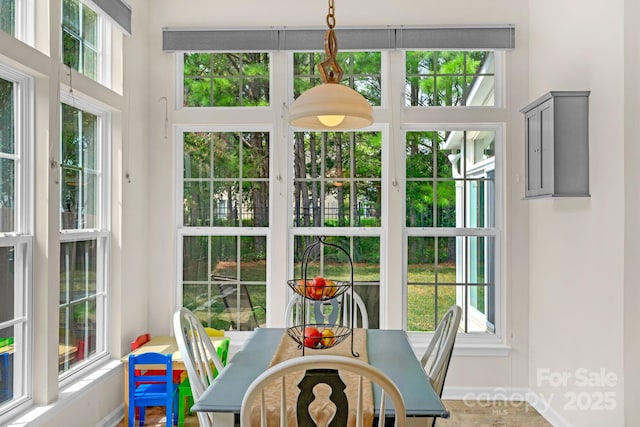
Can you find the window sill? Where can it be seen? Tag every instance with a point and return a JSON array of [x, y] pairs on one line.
[[471, 345]]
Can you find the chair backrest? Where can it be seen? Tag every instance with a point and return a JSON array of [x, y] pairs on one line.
[[156, 389], [140, 341], [438, 354], [198, 352], [340, 305], [323, 362], [164, 376]]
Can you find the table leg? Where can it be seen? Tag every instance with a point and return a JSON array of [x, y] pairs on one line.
[[126, 394]]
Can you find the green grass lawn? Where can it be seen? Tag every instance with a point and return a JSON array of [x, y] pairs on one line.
[[421, 295]]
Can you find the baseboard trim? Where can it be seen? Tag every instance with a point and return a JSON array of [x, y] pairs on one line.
[[507, 394], [113, 419], [544, 408]]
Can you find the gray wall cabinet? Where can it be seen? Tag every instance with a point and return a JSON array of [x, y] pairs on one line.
[[556, 136]]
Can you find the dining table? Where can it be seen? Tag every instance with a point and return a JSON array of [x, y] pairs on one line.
[[387, 349], [159, 344]]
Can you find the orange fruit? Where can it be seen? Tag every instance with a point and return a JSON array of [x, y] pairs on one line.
[[300, 288], [328, 339], [330, 288]]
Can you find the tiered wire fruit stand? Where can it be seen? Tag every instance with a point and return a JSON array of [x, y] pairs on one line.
[[314, 292]]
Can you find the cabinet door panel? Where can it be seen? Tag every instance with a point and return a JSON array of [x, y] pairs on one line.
[[546, 148], [532, 152]]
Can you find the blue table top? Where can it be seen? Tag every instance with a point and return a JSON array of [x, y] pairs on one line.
[[387, 349]]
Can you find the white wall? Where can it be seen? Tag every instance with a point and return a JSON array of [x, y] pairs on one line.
[[576, 246], [632, 207], [130, 192]]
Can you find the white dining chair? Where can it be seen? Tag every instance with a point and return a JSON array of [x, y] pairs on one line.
[[197, 352], [438, 354], [341, 304], [389, 390]]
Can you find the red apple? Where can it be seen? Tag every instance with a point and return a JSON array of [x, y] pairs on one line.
[[312, 337], [319, 281], [317, 288]]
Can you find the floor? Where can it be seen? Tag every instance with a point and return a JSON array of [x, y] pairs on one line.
[[492, 414], [464, 414]]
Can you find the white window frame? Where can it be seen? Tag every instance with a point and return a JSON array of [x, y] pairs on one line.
[[179, 89], [470, 343], [392, 119], [379, 232], [22, 238], [102, 234], [499, 79], [475, 317], [104, 54], [24, 21], [185, 231]]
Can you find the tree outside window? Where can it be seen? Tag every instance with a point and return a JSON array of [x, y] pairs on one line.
[[225, 187], [450, 234], [81, 38], [8, 16], [84, 240], [449, 78]]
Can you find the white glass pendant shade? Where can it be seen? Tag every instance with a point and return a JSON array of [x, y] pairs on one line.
[[331, 106]]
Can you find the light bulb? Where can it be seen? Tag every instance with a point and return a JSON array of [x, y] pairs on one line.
[[331, 120]]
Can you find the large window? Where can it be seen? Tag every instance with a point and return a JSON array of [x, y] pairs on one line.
[[16, 246], [225, 187], [450, 194], [415, 204], [337, 185], [84, 39], [84, 238], [449, 78], [226, 80], [450, 205]]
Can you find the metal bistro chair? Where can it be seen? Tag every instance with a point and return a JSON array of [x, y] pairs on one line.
[[198, 354], [321, 370]]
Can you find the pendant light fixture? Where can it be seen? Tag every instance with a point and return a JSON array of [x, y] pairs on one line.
[[330, 106]]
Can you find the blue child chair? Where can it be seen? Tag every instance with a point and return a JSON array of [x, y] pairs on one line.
[[156, 390], [6, 377]]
